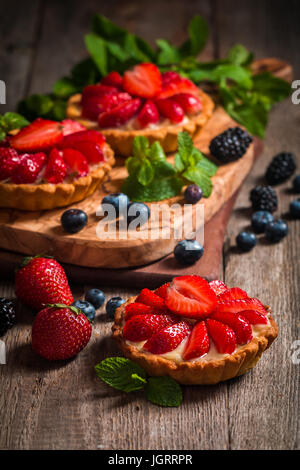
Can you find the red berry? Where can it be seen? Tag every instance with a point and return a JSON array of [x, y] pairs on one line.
[[218, 286], [142, 327], [41, 134], [254, 317], [170, 110], [162, 290], [60, 333], [76, 162], [148, 115], [91, 151], [168, 338], [29, 168], [235, 293], [198, 342], [237, 306], [144, 80], [41, 281], [120, 114], [72, 140], [69, 126], [189, 103], [191, 296], [170, 76], [56, 168], [96, 105], [96, 90], [9, 161], [148, 297], [136, 308], [113, 79], [175, 84], [223, 337], [240, 325]]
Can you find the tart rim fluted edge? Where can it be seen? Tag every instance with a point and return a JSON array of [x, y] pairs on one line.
[[201, 372], [121, 140], [45, 196]]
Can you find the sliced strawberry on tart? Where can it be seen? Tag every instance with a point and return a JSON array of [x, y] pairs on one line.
[[52, 164], [142, 102], [194, 331]]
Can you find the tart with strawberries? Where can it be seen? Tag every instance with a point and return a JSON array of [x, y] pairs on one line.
[[142, 102], [50, 164], [194, 331]]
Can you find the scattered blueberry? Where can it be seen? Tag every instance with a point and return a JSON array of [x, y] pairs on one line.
[[276, 230], [188, 252], [193, 194], [112, 305], [295, 208], [86, 307], [260, 219], [140, 210], [246, 241], [73, 220], [119, 201], [296, 184], [96, 297]]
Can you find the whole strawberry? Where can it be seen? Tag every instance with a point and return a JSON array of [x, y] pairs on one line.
[[41, 281], [60, 332]]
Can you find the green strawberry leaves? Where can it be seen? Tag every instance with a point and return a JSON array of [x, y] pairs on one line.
[[152, 178], [127, 376]]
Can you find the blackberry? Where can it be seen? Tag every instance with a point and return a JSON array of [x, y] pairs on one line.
[[264, 198], [7, 315], [230, 145], [281, 168]]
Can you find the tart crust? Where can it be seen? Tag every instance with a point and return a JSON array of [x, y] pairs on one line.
[[121, 139], [34, 197], [200, 372]]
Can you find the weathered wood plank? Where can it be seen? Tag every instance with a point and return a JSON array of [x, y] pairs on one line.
[[263, 405]]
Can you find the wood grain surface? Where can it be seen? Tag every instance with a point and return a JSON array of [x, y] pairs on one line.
[[64, 406]]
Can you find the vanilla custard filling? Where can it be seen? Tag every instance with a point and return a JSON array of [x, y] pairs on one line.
[[132, 124], [213, 354]]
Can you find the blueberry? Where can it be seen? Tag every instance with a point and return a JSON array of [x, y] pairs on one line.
[[246, 241], [276, 230], [87, 309], [140, 210], [260, 219], [193, 194], [188, 252], [96, 297], [119, 201], [295, 208], [296, 184], [73, 220], [112, 305]]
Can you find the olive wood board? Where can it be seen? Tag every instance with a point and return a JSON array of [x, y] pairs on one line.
[[41, 232]]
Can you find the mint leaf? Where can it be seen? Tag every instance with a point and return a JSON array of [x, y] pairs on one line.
[[201, 178], [65, 87], [140, 147], [179, 165], [157, 153], [2, 135], [146, 173], [12, 121], [85, 73], [102, 26], [239, 55], [133, 164], [36, 106], [208, 166], [121, 373], [168, 54], [157, 190], [275, 89], [163, 391], [97, 48], [185, 146], [198, 33]]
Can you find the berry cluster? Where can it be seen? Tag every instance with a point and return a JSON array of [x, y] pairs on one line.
[[143, 94]]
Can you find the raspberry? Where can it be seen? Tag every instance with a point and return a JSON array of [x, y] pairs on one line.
[[281, 168], [263, 198], [230, 145]]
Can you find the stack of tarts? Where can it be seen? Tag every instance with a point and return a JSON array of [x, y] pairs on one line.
[[51, 164], [142, 102], [194, 331]]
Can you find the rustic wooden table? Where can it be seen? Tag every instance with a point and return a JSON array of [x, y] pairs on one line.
[[49, 407]]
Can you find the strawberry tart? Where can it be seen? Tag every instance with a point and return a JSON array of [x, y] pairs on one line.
[[50, 164], [142, 102], [194, 331]]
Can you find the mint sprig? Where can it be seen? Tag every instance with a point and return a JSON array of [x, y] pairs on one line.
[[153, 178], [10, 122], [127, 376]]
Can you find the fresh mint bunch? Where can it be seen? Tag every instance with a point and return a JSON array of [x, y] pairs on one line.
[[126, 375], [247, 98], [10, 122], [152, 178]]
